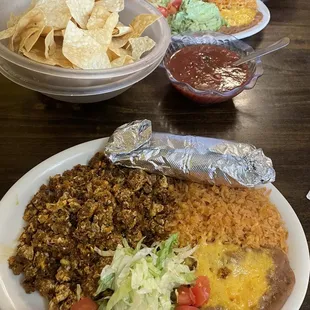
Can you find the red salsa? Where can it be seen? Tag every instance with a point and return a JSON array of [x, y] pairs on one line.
[[208, 67]]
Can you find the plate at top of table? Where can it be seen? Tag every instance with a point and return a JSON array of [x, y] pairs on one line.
[[239, 18]]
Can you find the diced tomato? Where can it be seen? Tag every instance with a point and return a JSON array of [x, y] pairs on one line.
[[185, 296], [201, 295], [186, 308], [85, 303], [163, 10], [201, 291], [171, 9], [176, 3], [203, 281]]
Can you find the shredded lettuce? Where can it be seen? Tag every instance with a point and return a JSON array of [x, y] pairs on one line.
[[78, 292], [144, 277]]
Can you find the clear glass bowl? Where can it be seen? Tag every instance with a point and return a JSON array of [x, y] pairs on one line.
[[83, 85], [212, 38]]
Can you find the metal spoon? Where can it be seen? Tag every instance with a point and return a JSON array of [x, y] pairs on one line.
[[266, 50]]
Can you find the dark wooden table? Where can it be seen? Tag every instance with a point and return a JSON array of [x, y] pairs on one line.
[[275, 115]]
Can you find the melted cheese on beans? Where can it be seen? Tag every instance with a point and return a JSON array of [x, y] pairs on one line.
[[236, 17], [238, 277]]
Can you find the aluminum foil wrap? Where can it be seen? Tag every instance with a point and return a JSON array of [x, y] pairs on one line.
[[197, 159]]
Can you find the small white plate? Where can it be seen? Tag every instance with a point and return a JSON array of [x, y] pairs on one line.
[[260, 26], [12, 295]]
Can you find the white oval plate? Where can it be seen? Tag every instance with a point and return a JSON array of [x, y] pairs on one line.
[[260, 26], [12, 295]]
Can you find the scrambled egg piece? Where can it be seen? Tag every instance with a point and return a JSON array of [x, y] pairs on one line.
[[236, 16], [238, 277]]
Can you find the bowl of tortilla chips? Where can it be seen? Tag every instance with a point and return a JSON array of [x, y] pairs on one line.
[[80, 50]]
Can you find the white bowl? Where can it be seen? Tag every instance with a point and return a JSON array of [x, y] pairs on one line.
[[12, 206], [89, 94], [73, 84]]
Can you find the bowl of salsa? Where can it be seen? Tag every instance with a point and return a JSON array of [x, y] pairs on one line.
[[201, 66]]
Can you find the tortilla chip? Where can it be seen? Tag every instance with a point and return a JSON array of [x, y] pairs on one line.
[[33, 39], [50, 44], [32, 33], [56, 12], [116, 53], [140, 46], [33, 19], [32, 5], [83, 50], [112, 5], [98, 17], [112, 56], [140, 23], [122, 61], [46, 31], [121, 30], [50, 32], [81, 10], [13, 20], [119, 42], [104, 35], [7, 33], [120, 52], [59, 33], [38, 54]]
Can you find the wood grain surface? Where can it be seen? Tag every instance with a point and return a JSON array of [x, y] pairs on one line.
[[275, 115]]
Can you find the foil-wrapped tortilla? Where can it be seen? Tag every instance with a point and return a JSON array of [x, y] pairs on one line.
[[197, 159]]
